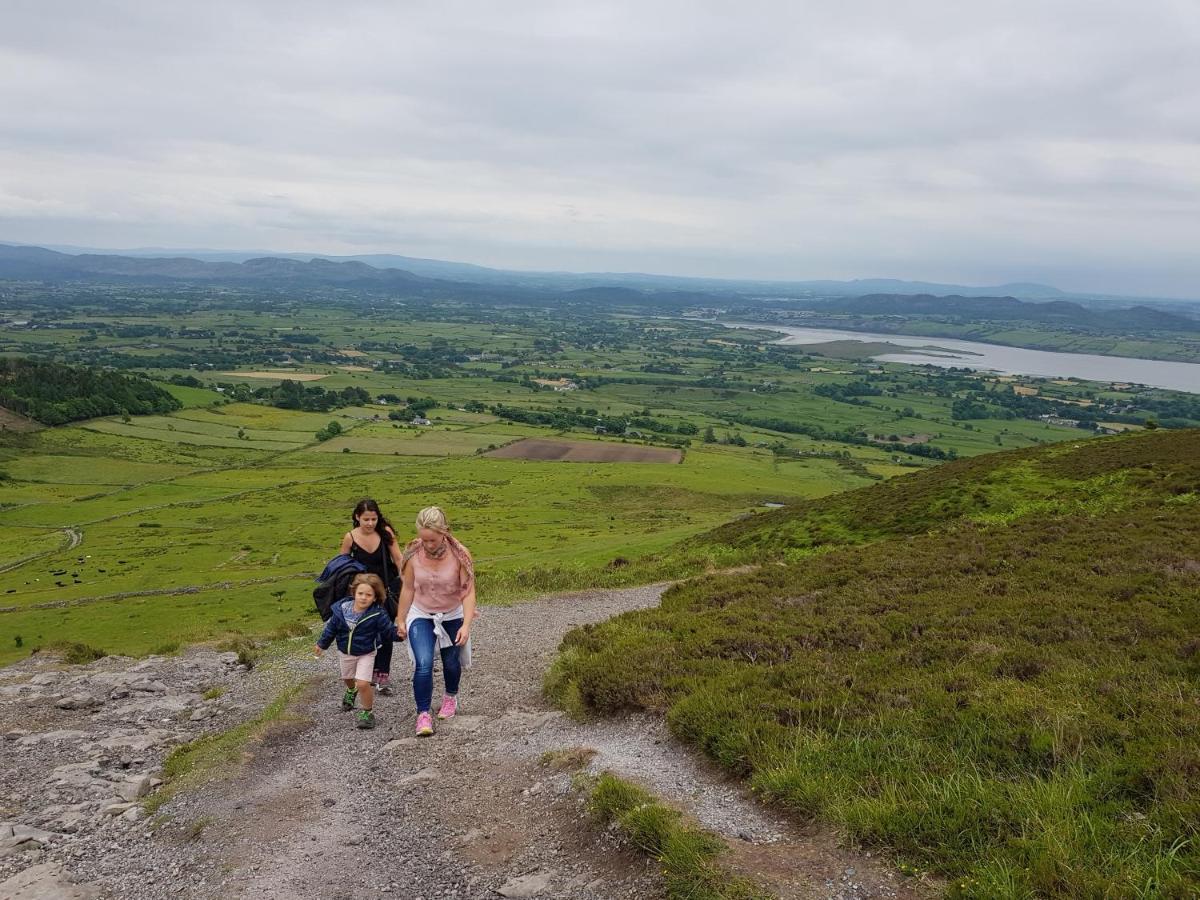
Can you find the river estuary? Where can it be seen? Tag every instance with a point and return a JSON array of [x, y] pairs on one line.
[[948, 352]]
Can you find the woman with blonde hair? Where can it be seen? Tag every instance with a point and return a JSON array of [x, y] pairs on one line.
[[437, 605]]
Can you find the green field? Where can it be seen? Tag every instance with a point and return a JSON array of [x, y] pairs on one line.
[[200, 548], [204, 515]]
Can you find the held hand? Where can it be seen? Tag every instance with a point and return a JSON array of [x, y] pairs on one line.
[[401, 632], [464, 633], [317, 651]]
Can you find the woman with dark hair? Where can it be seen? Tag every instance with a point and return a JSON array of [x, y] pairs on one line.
[[373, 543]]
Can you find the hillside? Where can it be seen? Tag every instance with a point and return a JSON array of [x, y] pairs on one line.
[[1062, 313], [999, 681], [38, 263], [54, 394]]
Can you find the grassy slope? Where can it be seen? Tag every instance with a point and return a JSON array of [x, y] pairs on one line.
[[1000, 679], [190, 532]]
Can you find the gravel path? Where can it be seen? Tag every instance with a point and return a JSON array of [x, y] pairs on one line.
[[324, 810]]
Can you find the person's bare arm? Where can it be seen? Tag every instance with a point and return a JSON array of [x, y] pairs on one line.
[[406, 599], [397, 555], [347, 542], [464, 630]]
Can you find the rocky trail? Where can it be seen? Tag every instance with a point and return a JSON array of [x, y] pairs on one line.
[[316, 808]]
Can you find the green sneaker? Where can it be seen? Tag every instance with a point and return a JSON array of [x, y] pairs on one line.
[[366, 719], [348, 699]]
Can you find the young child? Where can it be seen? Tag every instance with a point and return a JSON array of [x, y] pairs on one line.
[[360, 625]]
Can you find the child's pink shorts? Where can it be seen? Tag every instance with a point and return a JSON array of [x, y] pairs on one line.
[[360, 668]]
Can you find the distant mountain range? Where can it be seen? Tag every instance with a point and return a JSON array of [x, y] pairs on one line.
[[416, 276], [50, 265], [466, 272]]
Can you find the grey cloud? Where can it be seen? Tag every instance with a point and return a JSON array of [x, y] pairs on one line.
[[782, 139]]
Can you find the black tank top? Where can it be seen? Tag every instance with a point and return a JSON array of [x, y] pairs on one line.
[[380, 563], [376, 563]]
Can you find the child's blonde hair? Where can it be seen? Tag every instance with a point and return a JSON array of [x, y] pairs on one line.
[[374, 581]]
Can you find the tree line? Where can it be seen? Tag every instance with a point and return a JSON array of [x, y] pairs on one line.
[[54, 394]]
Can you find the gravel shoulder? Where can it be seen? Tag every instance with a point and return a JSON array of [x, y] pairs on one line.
[[318, 808]]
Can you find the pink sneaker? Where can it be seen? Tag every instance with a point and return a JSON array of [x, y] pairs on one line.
[[424, 725], [449, 707]]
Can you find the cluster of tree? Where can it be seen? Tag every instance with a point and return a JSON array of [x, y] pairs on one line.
[[170, 359], [55, 394], [968, 408], [290, 394], [816, 432], [1175, 410], [848, 392], [415, 407], [332, 430], [1172, 410], [566, 418], [440, 359], [737, 439]]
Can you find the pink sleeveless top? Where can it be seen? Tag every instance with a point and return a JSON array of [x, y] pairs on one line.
[[437, 588]]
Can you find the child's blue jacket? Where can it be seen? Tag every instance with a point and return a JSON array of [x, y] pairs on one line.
[[369, 633]]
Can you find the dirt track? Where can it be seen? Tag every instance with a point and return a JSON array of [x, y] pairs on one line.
[[321, 809]]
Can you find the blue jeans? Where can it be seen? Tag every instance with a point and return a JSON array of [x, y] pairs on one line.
[[423, 641]]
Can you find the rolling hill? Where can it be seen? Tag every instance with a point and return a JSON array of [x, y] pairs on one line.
[[990, 668]]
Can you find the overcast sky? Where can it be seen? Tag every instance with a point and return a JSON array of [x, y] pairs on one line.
[[1027, 140]]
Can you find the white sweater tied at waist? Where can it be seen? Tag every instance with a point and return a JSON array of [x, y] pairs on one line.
[[439, 631]]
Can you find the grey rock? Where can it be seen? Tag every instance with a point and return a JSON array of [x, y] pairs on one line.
[[138, 741], [425, 776], [29, 833], [401, 743], [53, 737], [155, 703], [47, 881], [77, 701], [67, 819], [135, 788], [107, 681], [464, 723], [150, 687], [473, 836], [526, 885]]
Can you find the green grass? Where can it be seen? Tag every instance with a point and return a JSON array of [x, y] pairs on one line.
[[1012, 701], [208, 523], [687, 854], [218, 754], [195, 549], [425, 442]]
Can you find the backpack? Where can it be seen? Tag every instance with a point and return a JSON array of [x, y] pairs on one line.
[[334, 583]]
